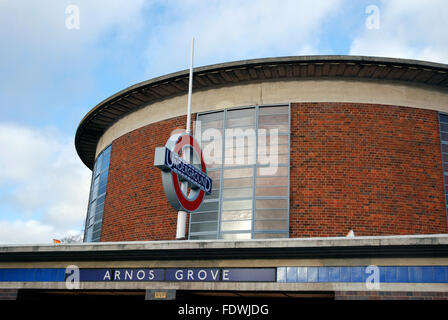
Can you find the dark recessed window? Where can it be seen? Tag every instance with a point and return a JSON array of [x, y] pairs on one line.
[[443, 123], [95, 209]]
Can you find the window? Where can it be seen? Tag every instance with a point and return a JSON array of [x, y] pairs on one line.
[[247, 155], [97, 195], [443, 123]]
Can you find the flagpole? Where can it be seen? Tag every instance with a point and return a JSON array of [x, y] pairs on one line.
[[182, 215], [190, 89]]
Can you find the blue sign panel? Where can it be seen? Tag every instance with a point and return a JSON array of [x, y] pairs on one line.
[[249, 275], [181, 274], [121, 274], [387, 274], [193, 274]]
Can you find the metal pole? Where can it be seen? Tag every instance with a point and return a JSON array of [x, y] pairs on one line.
[[190, 89], [182, 215]]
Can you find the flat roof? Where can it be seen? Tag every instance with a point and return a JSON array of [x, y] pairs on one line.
[[324, 247], [110, 110]]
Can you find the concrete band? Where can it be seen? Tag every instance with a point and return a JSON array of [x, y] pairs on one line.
[[232, 286], [277, 92]]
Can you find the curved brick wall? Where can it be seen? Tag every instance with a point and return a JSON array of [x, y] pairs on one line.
[[374, 168], [136, 207]]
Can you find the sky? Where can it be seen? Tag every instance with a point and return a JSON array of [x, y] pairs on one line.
[[58, 59]]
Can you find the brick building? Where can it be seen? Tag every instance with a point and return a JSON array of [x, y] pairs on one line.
[[361, 146]]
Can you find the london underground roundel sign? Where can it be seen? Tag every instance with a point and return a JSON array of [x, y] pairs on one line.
[[184, 173]]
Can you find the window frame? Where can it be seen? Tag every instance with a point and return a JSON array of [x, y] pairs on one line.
[[220, 234]]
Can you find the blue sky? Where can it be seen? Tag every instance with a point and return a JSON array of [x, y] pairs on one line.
[[52, 76]]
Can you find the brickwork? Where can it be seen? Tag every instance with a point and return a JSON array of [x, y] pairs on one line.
[[374, 168], [389, 295], [136, 207]]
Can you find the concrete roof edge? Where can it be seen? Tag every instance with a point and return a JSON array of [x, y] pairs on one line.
[[401, 240]]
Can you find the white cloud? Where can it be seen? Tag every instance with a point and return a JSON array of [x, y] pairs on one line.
[[30, 231], [232, 30], [42, 61], [408, 29], [44, 182]]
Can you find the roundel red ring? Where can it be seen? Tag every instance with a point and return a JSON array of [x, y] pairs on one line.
[[190, 205]]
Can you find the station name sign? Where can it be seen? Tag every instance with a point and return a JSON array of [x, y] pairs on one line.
[[180, 274]]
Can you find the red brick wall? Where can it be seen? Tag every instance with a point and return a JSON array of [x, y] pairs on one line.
[[374, 168], [136, 207]]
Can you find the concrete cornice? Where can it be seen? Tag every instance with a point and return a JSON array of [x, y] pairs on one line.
[[107, 112], [378, 246]]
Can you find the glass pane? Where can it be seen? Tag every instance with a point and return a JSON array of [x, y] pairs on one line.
[[209, 206], [213, 196], [238, 113], [240, 122], [236, 215], [271, 204], [238, 173], [445, 148], [235, 183], [203, 237], [444, 136], [98, 164], [239, 151], [215, 124], [211, 116], [273, 110], [201, 217], [209, 135], [269, 150], [239, 161], [106, 160], [271, 225], [236, 236], [271, 214], [236, 225], [444, 127], [269, 128], [203, 227], [237, 193], [237, 204], [239, 136], [272, 139], [270, 235], [273, 119], [281, 171], [272, 181], [279, 159], [272, 191]]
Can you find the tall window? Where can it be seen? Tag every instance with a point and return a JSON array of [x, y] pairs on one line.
[[443, 122], [247, 155], [97, 195]]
